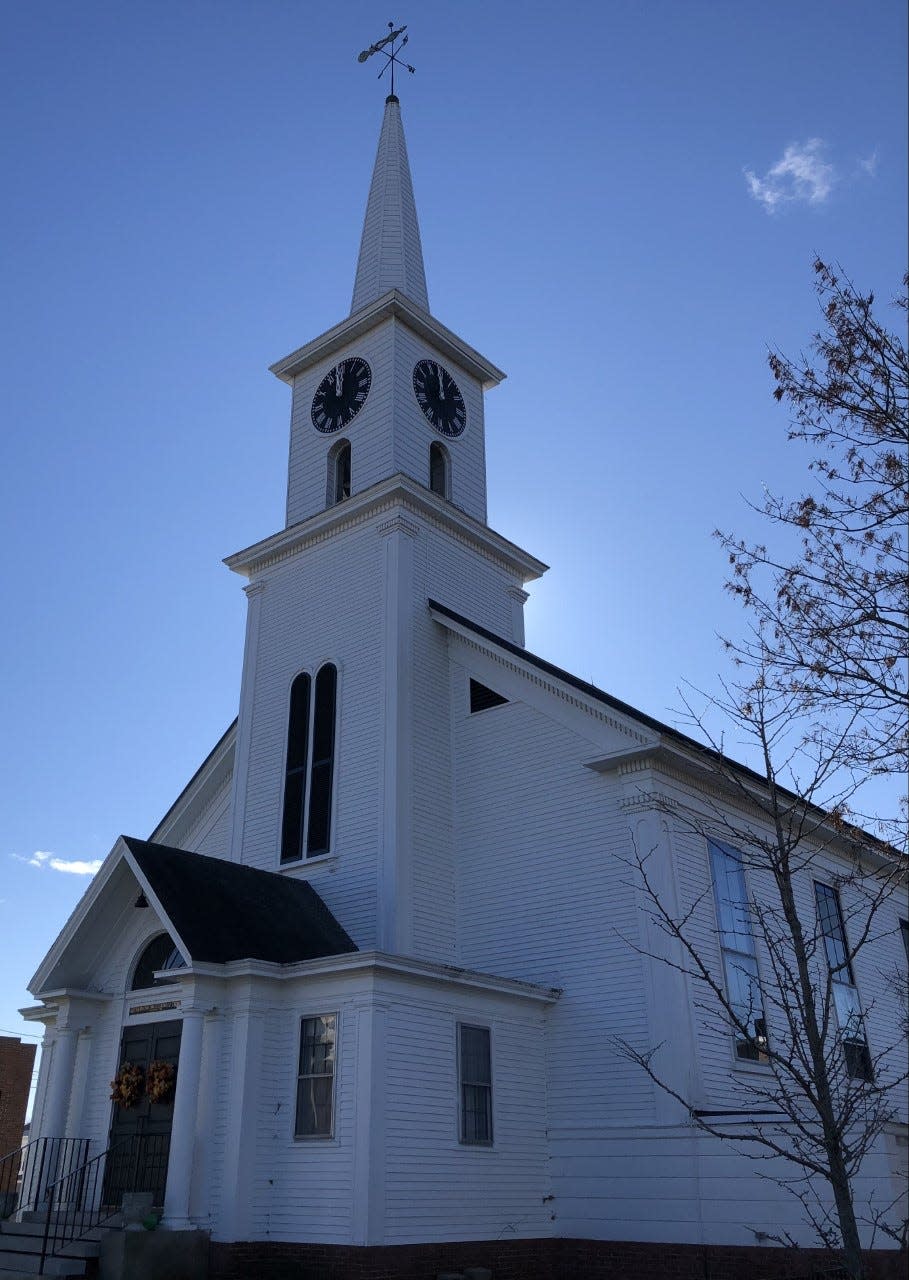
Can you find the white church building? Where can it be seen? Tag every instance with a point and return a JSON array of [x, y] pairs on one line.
[[379, 955]]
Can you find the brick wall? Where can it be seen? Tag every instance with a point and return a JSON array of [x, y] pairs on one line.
[[530, 1260], [16, 1062]]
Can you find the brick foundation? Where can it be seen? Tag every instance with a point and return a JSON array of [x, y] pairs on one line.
[[530, 1260]]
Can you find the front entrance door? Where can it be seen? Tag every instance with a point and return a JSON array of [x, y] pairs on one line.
[[140, 1135]]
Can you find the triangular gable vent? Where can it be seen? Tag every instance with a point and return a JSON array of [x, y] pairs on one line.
[[482, 698]]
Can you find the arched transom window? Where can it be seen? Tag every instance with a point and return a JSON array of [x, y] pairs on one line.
[[159, 954], [309, 771]]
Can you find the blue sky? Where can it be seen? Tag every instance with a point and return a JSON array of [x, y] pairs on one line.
[[619, 206]]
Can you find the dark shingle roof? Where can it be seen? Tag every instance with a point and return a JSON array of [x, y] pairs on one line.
[[223, 911]]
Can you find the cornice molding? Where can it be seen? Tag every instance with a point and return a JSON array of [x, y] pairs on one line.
[[392, 305], [399, 524], [380, 963], [400, 492], [531, 673]]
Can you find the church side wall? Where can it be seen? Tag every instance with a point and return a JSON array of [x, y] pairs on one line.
[[437, 1188], [460, 578], [211, 834], [542, 896]]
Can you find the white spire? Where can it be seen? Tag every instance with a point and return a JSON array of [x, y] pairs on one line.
[[391, 256]]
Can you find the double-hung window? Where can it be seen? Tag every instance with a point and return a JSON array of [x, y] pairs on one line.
[[316, 1077], [475, 1084], [845, 996], [309, 769], [743, 986]]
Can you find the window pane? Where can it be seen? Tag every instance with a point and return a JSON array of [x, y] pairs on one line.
[[315, 1082], [342, 473], [314, 1097], [475, 1065], [858, 1060], [476, 1113], [744, 988], [831, 922], [323, 736], [298, 723], [731, 900], [292, 825], [318, 839], [437, 469]]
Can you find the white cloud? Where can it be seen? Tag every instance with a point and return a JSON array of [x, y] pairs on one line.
[[70, 866], [868, 164], [802, 174]]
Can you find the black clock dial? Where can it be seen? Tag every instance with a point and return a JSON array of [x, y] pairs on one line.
[[438, 396], [341, 394]]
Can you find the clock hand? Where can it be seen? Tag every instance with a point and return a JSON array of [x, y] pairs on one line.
[[441, 372], [339, 379]]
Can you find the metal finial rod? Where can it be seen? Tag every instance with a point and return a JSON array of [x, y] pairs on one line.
[[391, 55]]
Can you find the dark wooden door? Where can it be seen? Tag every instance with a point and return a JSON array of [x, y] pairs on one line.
[[140, 1135]]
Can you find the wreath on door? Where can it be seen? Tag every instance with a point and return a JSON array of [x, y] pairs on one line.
[[127, 1085], [160, 1081]]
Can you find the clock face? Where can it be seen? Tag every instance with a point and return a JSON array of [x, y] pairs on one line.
[[341, 394], [438, 396]]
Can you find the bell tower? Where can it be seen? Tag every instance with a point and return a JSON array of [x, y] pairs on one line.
[[388, 391], [343, 756]]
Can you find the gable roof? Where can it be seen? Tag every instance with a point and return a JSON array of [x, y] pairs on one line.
[[223, 911]]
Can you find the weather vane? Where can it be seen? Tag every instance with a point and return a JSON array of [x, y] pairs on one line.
[[387, 48]]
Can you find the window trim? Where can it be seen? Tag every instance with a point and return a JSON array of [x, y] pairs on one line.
[[303, 858], [331, 1135], [761, 1058], [335, 453], [483, 1144]]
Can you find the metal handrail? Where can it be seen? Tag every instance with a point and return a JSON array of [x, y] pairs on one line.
[[75, 1201], [26, 1172]]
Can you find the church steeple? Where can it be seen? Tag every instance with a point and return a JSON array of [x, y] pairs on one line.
[[391, 256]]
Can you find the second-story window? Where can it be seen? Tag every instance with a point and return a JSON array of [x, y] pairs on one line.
[[743, 986], [309, 769], [845, 996]]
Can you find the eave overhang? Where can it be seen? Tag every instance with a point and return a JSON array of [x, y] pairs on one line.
[[398, 491], [395, 305]]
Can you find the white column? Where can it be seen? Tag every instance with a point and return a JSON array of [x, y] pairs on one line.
[[59, 1085], [183, 1132]]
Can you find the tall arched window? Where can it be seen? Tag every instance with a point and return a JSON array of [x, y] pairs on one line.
[[339, 472], [438, 470], [309, 772]]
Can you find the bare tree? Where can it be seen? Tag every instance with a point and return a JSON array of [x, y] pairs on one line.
[[826, 1094], [832, 607]]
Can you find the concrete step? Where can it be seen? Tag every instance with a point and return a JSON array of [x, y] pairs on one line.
[[19, 1265], [19, 1242]]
